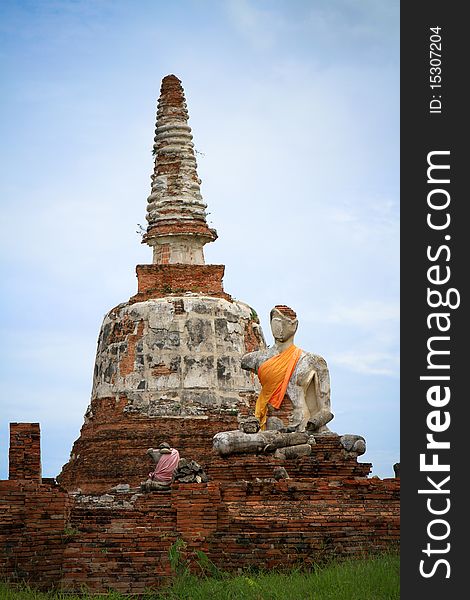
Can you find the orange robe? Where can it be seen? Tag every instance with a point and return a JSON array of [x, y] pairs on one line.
[[274, 375]]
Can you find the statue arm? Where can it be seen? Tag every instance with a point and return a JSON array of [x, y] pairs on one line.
[[320, 409], [252, 361], [323, 379]]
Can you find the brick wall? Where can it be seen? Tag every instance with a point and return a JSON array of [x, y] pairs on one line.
[[112, 446], [300, 522], [33, 527], [25, 451], [328, 459], [265, 524], [159, 281], [112, 449], [123, 546], [121, 539], [163, 254]]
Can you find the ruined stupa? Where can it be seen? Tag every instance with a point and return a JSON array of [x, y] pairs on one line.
[[169, 372], [168, 360]]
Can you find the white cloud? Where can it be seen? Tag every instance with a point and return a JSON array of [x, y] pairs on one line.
[[261, 27], [371, 363], [58, 405], [370, 335], [57, 355], [368, 314]]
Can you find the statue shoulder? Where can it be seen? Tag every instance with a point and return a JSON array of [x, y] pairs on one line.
[[311, 365], [314, 361], [253, 360]]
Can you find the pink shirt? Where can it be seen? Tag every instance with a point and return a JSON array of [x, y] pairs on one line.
[[166, 465]]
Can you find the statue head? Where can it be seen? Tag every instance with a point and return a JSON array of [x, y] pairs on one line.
[[283, 322]]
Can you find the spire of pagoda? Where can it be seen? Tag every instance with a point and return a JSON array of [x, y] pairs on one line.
[[176, 215]]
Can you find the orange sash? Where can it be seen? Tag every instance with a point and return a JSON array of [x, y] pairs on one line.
[[274, 375]]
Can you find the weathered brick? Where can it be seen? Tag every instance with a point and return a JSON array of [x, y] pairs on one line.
[[161, 280], [25, 451]]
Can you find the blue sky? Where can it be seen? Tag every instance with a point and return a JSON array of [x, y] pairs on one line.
[[294, 110]]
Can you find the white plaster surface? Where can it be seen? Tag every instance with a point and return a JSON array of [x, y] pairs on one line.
[[184, 364]]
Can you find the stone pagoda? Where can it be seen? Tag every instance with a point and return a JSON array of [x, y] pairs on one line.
[[168, 360], [169, 369]]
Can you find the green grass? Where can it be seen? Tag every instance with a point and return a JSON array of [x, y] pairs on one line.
[[360, 579]]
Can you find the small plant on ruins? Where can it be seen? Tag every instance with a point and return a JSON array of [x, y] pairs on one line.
[[208, 568], [231, 411], [178, 562], [70, 532], [181, 564], [141, 230]]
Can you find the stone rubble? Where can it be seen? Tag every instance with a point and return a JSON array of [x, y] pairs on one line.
[[189, 471]]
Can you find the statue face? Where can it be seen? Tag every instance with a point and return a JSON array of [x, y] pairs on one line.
[[282, 327]]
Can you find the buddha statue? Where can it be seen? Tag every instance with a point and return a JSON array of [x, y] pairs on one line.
[[285, 370]]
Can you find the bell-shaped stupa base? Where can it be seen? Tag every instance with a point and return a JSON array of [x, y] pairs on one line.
[[167, 369]]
